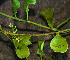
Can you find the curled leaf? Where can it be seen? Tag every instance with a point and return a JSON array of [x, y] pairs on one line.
[[27, 2]]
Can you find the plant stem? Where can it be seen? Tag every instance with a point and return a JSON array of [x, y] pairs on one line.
[[26, 58], [27, 12], [4, 33], [38, 24], [63, 22], [36, 34], [25, 21], [48, 57], [41, 58]]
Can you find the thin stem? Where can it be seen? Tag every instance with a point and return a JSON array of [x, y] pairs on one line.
[[4, 33], [41, 58], [15, 15], [26, 58], [27, 13], [36, 34], [12, 17], [63, 22], [39, 25], [25, 21]]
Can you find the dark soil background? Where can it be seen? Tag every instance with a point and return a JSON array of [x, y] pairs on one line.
[[61, 13]]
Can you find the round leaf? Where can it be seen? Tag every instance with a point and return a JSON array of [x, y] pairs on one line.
[[59, 44], [22, 51]]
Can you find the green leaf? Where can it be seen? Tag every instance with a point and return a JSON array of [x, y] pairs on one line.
[[59, 44], [16, 5], [21, 44], [41, 44], [15, 43], [27, 2], [25, 39], [22, 51], [48, 15], [40, 50]]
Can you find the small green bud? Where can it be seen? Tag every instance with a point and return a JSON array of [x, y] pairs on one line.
[[12, 25], [15, 27]]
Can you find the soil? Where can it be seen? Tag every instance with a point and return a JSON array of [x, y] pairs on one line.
[[61, 13]]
